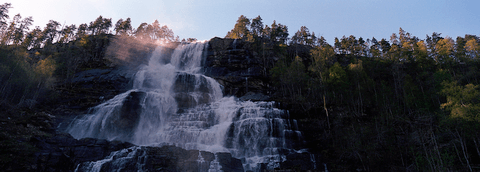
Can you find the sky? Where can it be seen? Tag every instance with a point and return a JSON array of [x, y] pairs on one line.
[[214, 18]]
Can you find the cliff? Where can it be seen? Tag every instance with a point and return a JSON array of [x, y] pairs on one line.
[[239, 69]]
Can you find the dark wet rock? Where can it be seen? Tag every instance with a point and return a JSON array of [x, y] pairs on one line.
[[191, 90], [228, 163], [92, 87], [62, 152], [251, 96], [236, 67], [130, 112], [185, 82], [302, 162], [189, 100]]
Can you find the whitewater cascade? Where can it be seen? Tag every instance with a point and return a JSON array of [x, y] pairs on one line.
[[173, 103]]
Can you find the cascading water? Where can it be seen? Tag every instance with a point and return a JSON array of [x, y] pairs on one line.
[[172, 103]]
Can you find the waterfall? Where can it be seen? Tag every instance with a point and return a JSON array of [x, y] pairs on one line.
[[173, 103]]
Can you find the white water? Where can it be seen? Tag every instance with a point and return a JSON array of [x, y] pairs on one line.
[[174, 104], [117, 160]]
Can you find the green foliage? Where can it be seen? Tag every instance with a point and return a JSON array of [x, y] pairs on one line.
[[291, 79], [405, 93], [462, 101], [304, 37], [22, 79], [45, 67], [337, 77], [322, 58], [472, 48]]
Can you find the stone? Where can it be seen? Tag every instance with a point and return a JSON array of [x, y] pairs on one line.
[[129, 115]]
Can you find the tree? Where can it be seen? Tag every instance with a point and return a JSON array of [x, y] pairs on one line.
[[280, 33], [67, 34], [444, 49], [420, 52], [337, 78], [303, 37], [100, 26], [141, 31], [375, 48], [277, 33], [291, 79], [256, 27], [431, 44], [322, 41], [154, 32], [350, 45], [22, 30], [3, 17], [17, 30], [472, 48], [322, 57], [192, 39], [82, 31], [362, 47], [50, 32], [404, 38], [4, 12], [462, 101], [33, 38], [338, 46], [123, 27], [240, 31], [162, 32], [8, 33], [385, 47]]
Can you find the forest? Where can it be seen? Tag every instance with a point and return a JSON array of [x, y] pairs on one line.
[[402, 103]]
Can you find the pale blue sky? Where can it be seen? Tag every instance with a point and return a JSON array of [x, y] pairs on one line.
[[329, 18]]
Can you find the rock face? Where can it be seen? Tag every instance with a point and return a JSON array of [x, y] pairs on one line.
[[64, 153], [91, 87], [166, 158], [191, 90], [127, 119], [239, 71], [235, 67]]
